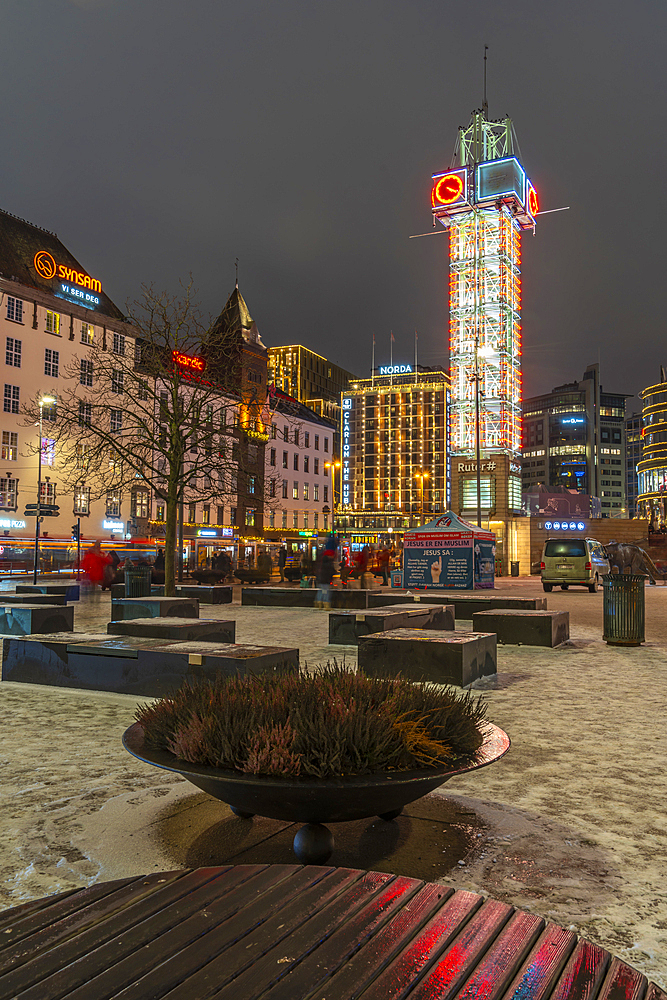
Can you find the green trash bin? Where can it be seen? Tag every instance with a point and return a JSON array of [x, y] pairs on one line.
[[138, 581], [623, 609]]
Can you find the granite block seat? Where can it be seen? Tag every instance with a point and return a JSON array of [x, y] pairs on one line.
[[71, 591], [465, 604], [346, 627], [206, 593], [27, 619], [183, 629], [524, 627], [118, 591], [137, 665], [423, 654], [279, 597], [154, 607], [9, 598]]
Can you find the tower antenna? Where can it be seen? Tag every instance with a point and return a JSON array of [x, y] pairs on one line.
[[485, 105], [236, 265]]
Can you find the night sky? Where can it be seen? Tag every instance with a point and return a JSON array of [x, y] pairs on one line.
[[159, 137]]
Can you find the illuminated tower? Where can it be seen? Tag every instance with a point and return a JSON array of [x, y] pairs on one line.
[[485, 200]]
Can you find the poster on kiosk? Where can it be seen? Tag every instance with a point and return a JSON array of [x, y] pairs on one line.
[[449, 554]]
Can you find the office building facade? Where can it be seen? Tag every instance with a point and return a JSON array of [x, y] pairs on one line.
[[309, 378], [633, 456], [652, 468]]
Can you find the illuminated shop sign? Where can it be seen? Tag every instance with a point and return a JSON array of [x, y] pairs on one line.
[[4, 523], [207, 533], [531, 199], [117, 527], [565, 525], [345, 471], [46, 267], [81, 298], [573, 420], [449, 189], [188, 361], [395, 369], [227, 532]]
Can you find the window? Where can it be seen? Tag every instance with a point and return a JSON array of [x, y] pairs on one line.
[[316, 518], [316, 491], [252, 484], [305, 463], [295, 490], [272, 488], [117, 380], [273, 456], [326, 469], [86, 375], [326, 494], [50, 410], [284, 516], [232, 515], [285, 433], [285, 462], [118, 344], [250, 517], [316, 466], [140, 503], [14, 309], [143, 392], [284, 489], [272, 519], [192, 513], [159, 512], [81, 501], [326, 444], [317, 443], [296, 462], [220, 515], [305, 519], [52, 321], [47, 492], [206, 514], [274, 432], [13, 352], [87, 333], [306, 440], [82, 455], [296, 437], [48, 451], [306, 491], [113, 503], [8, 491], [10, 445], [12, 398], [295, 519], [51, 363], [85, 414]]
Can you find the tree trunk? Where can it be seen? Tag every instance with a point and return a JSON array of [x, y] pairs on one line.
[[170, 549]]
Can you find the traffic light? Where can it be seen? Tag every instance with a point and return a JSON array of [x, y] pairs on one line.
[[75, 532]]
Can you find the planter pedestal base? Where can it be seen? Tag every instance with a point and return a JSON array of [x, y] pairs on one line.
[[313, 844]]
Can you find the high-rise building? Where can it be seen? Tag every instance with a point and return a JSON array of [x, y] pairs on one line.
[[394, 451], [633, 455], [652, 469], [310, 378], [574, 436]]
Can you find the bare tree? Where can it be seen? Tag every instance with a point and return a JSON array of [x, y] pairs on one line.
[[163, 411]]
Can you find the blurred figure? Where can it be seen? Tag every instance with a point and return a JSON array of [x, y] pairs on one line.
[[383, 562], [282, 559], [325, 574], [93, 565]]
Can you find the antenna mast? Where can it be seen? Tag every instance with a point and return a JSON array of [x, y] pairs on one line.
[[485, 105]]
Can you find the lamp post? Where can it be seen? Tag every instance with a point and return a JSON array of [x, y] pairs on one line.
[[422, 476], [42, 402], [333, 465]]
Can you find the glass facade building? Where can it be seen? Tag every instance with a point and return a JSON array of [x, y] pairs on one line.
[[652, 469]]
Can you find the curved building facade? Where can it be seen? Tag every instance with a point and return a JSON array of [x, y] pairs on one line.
[[652, 469]]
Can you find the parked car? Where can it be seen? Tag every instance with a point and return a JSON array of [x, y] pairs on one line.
[[580, 562]]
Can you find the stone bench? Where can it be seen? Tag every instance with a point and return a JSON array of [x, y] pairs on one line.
[[205, 594], [347, 627], [133, 665], [118, 591], [525, 627], [465, 604], [9, 598], [279, 597], [28, 619], [154, 607], [71, 591], [421, 654], [183, 629]]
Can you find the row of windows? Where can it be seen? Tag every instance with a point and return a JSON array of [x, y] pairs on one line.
[[297, 436], [52, 325], [295, 463], [300, 519], [296, 489]]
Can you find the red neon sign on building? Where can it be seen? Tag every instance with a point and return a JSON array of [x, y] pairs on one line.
[[188, 361]]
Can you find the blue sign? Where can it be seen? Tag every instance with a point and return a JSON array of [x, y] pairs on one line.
[[395, 369]]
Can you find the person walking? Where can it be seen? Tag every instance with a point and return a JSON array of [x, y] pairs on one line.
[[282, 559], [383, 561], [325, 574], [93, 565]]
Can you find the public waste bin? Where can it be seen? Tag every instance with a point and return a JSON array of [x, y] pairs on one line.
[[623, 609], [138, 581], [514, 568]]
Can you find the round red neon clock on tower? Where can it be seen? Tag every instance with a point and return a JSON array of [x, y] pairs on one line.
[[447, 189], [533, 203]]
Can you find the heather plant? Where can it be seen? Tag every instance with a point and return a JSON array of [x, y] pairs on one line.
[[326, 724]]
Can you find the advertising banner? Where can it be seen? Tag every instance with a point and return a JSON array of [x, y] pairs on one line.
[[448, 554]]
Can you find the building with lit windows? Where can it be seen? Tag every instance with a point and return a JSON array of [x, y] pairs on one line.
[[633, 455], [309, 378], [652, 469], [574, 437], [394, 451]]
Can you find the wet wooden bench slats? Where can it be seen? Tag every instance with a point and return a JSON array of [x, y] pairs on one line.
[[287, 932]]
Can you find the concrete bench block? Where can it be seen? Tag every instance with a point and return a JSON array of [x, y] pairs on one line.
[[279, 597], [71, 591], [421, 654], [9, 598], [525, 627], [154, 607], [118, 591], [346, 627], [205, 594], [182, 629], [133, 665], [466, 605], [28, 619]]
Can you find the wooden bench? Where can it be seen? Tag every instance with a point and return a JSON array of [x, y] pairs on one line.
[[421, 654], [154, 607], [290, 933], [525, 627], [183, 629], [28, 619], [347, 627], [131, 664]]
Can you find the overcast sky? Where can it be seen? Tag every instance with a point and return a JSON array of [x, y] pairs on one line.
[[162, 137]]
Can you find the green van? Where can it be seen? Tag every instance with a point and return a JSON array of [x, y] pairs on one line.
[[578, 561]]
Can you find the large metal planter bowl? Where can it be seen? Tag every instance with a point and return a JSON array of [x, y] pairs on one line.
[[315, 801]]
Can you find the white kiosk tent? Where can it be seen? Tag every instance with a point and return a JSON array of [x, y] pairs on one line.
[[448, 553]]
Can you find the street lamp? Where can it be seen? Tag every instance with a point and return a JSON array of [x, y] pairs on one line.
[[45, 400], [333, 465], [422, 476]]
